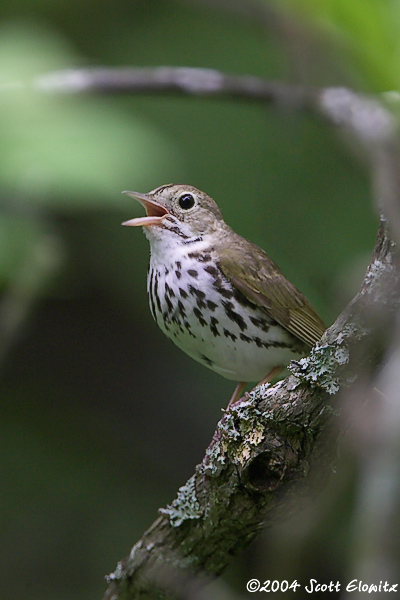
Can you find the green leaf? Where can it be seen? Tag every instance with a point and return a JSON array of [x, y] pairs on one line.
[[64, 151]]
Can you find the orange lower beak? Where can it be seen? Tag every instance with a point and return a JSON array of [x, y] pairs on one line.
[[155, 212]]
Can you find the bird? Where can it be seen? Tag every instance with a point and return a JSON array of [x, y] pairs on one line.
[[216, 295]]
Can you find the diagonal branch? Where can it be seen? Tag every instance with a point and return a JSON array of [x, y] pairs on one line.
[[175, 80]]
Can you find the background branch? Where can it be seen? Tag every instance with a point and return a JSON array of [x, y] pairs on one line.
[[176, 80], [363, 117]]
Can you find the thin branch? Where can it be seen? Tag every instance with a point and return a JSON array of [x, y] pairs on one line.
[[176, 80]]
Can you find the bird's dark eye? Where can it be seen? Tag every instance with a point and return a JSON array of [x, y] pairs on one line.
[[186, 201]]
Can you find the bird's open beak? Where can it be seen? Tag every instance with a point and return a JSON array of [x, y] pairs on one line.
[[155, 212]]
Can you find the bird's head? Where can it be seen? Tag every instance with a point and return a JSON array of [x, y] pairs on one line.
[[180, 210]]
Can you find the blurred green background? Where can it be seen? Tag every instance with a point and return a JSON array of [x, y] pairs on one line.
[[102, 418]]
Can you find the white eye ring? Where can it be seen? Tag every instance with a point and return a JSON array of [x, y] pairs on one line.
[[186, 201]]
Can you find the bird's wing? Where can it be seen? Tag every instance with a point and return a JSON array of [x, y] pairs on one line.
[[261, 281]]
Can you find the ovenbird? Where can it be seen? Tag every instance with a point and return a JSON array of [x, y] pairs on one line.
[[219, 297]]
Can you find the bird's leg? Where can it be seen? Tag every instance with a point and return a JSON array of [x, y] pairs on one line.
[[242, 384], [275, 371], [235, 397], [237, 393]]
